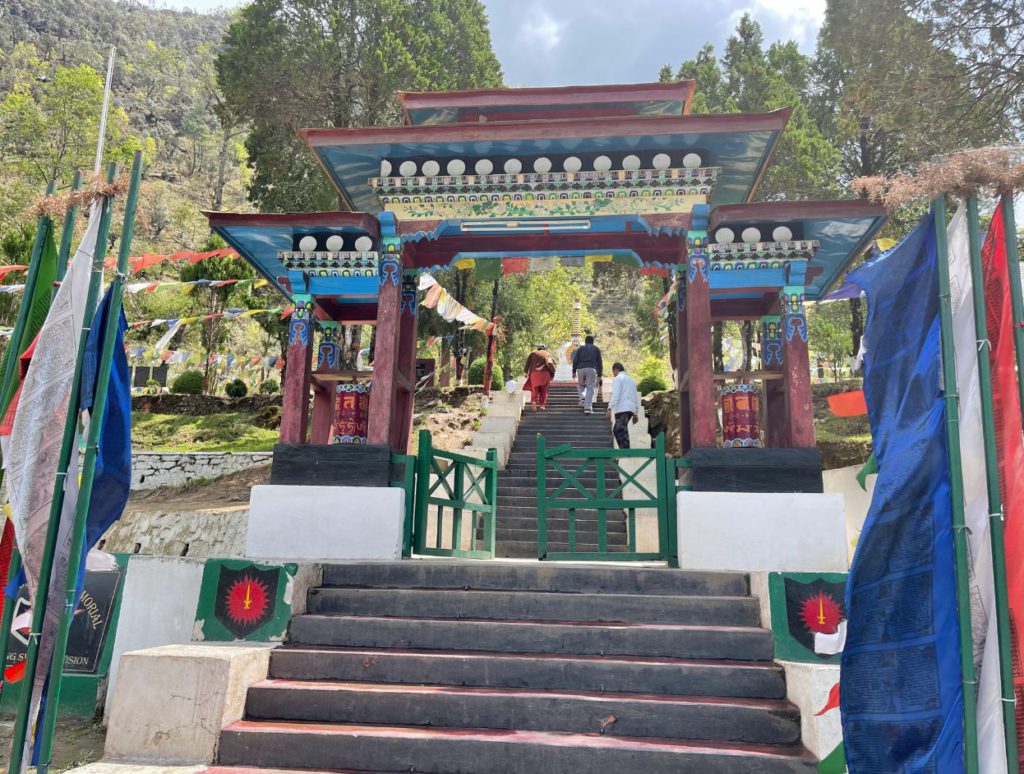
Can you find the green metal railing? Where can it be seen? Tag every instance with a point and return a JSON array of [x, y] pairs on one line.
[[450, 486], [628, 496], [408, 483]]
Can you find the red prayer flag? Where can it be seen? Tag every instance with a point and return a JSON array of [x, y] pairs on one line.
[[848, 404], [1006, 404], [515, 266]]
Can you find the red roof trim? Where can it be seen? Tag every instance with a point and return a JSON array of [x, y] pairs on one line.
[[361, 220], [794, 210], [555, 96], [555, 129]]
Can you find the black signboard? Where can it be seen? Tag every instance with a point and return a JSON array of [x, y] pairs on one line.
[[88, 629]]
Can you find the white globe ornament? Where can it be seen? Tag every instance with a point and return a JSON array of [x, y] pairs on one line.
[[662, 161], [542, 165], [725, 236], [307, 244], [513, 167], [431, 168], [335, 242], [631, 163], [602, 164], [751, 235], [691, 161], [407, 168], [456, 167], [782, 234], [572, 164], [364, 244], [484, 167], [385, 168]]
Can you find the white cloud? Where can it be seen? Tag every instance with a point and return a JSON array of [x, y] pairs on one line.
[[800, 19], [541, 29]]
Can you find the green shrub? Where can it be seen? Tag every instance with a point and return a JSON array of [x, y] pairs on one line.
[[152, 386], [188, 383], [651, 384], [269, 387], [236, 388], [653, 367], [476, 374]]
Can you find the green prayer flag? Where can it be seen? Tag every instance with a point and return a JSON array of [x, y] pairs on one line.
[[488, 268], [870, 467], [39, 305]]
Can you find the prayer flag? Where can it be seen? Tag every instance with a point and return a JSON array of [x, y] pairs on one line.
[[901, 694], [848, 404]]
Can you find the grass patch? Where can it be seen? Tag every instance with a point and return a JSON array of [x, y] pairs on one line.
[[228, 432]]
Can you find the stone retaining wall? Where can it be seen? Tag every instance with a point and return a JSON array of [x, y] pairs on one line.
[[151, 470]]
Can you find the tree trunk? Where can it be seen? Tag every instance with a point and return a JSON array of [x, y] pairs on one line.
[[219, 183], [717, 356], [747, 330], [666, 285], [856, 324]]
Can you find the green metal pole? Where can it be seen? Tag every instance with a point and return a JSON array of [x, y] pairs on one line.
[[69, 231], [43, 225], [22, 720], [995, 506], [423, 457], [961, 550], [78, 528], [1016, 302], [542, 498]]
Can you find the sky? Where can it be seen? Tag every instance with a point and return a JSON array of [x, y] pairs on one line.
[[576, 42]]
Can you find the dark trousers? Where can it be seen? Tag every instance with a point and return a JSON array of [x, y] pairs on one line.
[[621, 430]]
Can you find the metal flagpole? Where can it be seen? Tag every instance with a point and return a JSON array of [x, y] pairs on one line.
[[78, 527], [956, 489], [1016, 302], [995, 506], [103, 114], [22, 719]]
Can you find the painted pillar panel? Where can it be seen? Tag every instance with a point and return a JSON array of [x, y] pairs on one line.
[[298, 372], [405, 396], [682, 363], [796, 369], [385, 358], [703, 417]]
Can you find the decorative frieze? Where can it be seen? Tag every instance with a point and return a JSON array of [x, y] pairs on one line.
[[547, 181], [326, 263], [763, 251]]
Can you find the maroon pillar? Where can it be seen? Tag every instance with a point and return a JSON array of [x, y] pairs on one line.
[[776, 425], [323, 413], [385, 355], [298, 370], [796, 369], [698, 334]]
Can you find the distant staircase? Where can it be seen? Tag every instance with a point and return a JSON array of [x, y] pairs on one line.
[[516, 519], [521, 668]]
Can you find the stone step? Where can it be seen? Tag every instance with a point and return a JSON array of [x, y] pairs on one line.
[[514, 576], [540, 671], [512, 520], [615, 540], [527, 549], [584, 638], [756, 721], [534, 606], [488, 751]]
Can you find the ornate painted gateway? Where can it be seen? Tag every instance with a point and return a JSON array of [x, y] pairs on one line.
[[576, 175]]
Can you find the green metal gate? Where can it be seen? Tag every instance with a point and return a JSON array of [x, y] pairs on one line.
[[456, 499], [629, 496]]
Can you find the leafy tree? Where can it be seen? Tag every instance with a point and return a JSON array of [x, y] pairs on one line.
[[50, 129], [828, 327], [286, 64]]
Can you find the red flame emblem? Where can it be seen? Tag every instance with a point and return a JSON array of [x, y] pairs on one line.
[[246, 600], [821, 614]]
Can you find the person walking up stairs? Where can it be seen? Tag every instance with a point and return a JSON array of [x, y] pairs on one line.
[[588, 369]]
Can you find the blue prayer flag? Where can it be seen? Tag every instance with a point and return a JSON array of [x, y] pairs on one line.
[[901, 696]]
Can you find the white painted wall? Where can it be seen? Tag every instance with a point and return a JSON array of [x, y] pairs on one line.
[[158, 606], [325, 523], [843, 481], [756, 532]]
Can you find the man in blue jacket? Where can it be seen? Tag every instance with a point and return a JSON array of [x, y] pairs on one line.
[[587, 369]]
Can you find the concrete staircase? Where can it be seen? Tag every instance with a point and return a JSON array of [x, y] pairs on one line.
[[516, 521], [515, 668]]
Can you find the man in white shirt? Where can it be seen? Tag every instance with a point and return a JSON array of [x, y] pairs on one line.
[[624, 404]]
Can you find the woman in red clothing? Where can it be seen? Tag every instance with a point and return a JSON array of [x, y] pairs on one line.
[[540, 368]]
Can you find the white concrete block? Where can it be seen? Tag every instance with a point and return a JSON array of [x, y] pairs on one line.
[[325, 523], [158, 606], [761, 532], [844, 481], [500, 441], [513, 410], [808, 687], [481, 453], [172, 702], [759, 590], [493, 424]]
